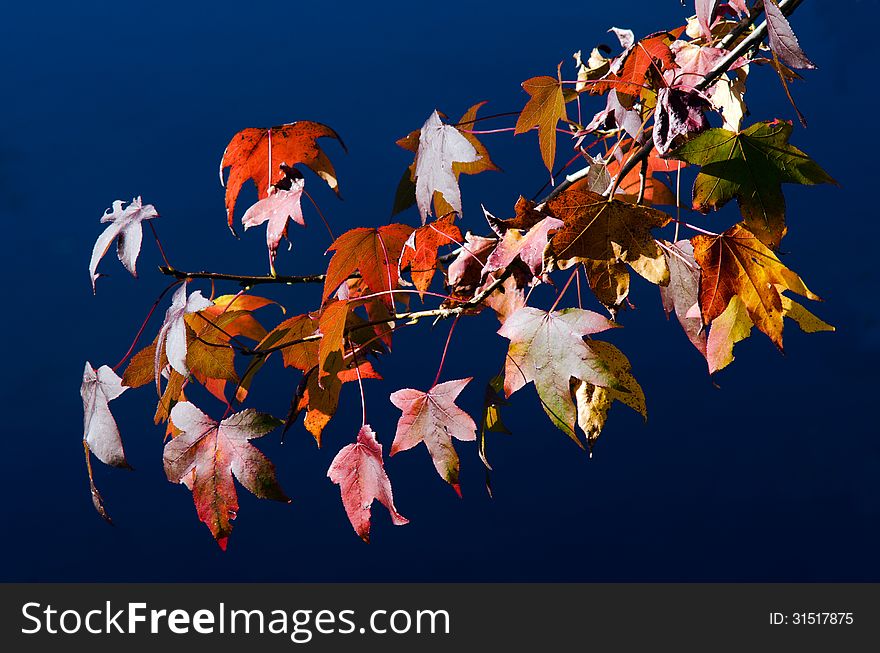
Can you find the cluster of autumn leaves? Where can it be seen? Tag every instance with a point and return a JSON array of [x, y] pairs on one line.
[[601, 223]]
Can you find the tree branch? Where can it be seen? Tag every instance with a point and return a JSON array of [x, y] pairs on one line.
[[411, 317], [245, 280]]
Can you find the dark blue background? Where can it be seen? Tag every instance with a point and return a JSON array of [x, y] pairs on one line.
[[772, 476]]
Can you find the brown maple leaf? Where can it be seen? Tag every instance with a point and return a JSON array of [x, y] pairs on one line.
[[600, 229]]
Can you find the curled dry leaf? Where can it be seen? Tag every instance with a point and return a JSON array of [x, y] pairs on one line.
[[125, 228], [172, 338], [678, 113], [100, 431]]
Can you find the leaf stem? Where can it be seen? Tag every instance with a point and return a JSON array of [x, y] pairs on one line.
[[564, 288], [144, 325], [158, 242], [445, 349]]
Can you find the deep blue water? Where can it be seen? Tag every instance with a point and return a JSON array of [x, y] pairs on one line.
[[772, 475]]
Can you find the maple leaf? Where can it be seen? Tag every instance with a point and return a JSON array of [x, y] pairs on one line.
[[483, 162], [656, 192], [706, 14], [694, 62], [208, 355], [729, 328], [527, 246], [782, 39], [593, 402], [321, 401], [544, 110], [682, 293], [405, 196], [433, 418], [629, 72], [373, 252], [242, 306], [600, 229], [172, 338], [360, 474], [125, 227], [440, 146], [507, 299], [548, 348], [248, 157], [206, 456], [734, 325], [615, 116], [303, 355], [466, 269], [750, 165], [609, 281], [331, 326], [726, 96], [275, 209], [420, 250], [736, 263], [100, 431]]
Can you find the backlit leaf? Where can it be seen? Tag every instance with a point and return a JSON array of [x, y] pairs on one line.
[[360, 474]]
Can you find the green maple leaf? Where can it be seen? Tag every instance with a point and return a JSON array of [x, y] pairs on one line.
[[750, 165]]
